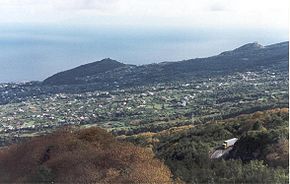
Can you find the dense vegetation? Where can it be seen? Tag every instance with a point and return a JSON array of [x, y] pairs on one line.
[[85, 156], [260, 155], [71, 76]]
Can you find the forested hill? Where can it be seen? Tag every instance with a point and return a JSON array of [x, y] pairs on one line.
[[261, 155], [113, 73], [83, 71]]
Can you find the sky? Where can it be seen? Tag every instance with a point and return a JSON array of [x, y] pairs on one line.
[[39, 37]]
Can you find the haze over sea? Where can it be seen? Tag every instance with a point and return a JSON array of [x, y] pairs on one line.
[[47, 37]]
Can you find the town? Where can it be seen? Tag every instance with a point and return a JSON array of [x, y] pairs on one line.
[[32, 109]]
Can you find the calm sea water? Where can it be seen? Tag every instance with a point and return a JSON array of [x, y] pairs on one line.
[[34, 53]]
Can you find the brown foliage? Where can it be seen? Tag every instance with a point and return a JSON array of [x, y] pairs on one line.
[[279, 154], [84, 156]]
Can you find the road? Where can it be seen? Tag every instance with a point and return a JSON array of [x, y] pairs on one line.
[[218, 153]]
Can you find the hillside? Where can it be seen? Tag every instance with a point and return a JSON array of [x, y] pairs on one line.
[[111, 73], [247, 57], [261, 154], [85, 71], [179, 112], [85, 156]]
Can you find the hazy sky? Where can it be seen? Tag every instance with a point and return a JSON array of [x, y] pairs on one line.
[[41, 37]]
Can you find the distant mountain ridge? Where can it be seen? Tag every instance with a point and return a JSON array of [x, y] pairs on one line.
[[246, 48], [71, 76], [113, 73]]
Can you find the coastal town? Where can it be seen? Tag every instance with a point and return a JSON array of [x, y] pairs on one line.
[[138, 109]]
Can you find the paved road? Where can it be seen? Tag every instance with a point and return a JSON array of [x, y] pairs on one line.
[[218, 153]]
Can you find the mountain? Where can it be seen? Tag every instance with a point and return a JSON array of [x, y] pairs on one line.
[[109, 72], [246, 57], [83, 71], [245, 48]]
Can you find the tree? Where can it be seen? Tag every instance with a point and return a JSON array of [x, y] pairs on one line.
[[80, 156]]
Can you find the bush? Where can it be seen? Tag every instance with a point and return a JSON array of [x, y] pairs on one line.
[[80, 156]]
